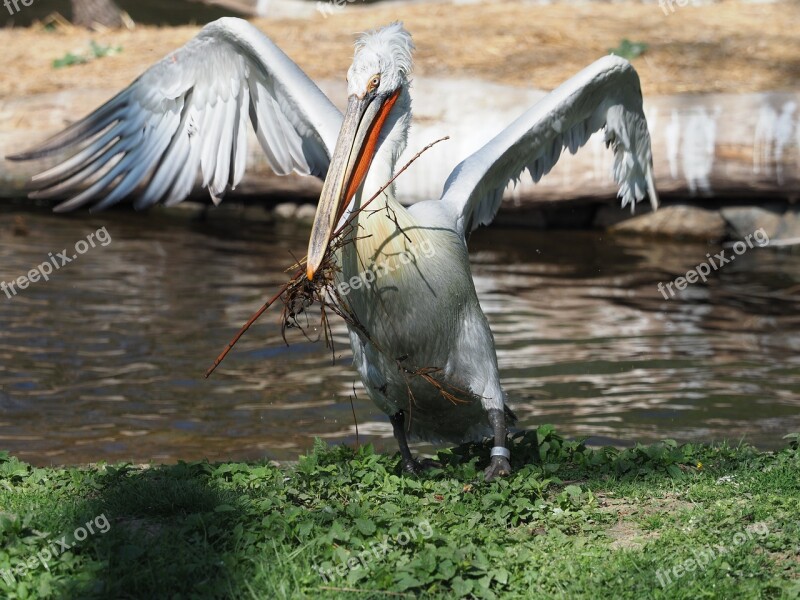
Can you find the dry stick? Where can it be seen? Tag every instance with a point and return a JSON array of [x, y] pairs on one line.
[[247, 325], [390, 182], [353, 408], [300, 273]]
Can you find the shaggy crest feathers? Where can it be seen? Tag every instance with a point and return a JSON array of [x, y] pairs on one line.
[[394, 38], [386, 51]]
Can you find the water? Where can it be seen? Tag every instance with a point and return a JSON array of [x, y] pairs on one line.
[[106, 360]]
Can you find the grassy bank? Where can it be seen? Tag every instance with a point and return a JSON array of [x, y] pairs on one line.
[[663, 521]]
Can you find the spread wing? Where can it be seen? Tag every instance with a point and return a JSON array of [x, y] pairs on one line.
[[606, 94], [188, 114]]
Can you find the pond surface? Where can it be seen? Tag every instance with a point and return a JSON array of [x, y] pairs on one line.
[[106, 360]]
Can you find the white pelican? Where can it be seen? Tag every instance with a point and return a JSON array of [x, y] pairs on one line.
[[188, 113]]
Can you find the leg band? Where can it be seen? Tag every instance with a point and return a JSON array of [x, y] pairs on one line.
[[501, 451]]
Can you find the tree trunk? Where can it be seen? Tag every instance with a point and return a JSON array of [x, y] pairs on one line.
[[96, 13]]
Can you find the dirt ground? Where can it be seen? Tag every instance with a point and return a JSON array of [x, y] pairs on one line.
[[727, 47]]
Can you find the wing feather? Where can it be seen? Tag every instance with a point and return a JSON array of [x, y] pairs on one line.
[[239, 144], [607, 95], [210, 133], [187, 116], [267, 131], [185, 178], [172, 161], [222, 173]]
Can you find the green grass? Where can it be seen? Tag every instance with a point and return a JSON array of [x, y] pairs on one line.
[[628, 49], [586, 523], [70, 59]]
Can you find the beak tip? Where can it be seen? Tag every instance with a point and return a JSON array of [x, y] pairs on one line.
[[310, 273]]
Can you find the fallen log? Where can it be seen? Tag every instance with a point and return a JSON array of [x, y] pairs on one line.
[[704, 146]]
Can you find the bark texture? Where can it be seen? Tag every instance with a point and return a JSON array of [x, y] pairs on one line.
[[92, 14]]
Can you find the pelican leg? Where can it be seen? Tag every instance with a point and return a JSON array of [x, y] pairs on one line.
[[500, 465], [537, 455], [399, 429], [410, 464]]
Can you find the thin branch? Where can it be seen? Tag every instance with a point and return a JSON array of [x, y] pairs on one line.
[[249, 323], [390, 182], [297, 288], [353, 408]]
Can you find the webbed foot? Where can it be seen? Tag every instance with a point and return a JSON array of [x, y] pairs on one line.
[[417, 467], [499, 467]]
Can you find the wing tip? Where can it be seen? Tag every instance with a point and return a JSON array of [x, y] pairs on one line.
[[63, 207], [18, 157], [652, 193], [35, 153]]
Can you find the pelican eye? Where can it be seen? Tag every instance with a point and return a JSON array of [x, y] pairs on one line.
[[374, 83]]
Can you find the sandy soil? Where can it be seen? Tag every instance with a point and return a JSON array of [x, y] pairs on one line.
[[726, 47]]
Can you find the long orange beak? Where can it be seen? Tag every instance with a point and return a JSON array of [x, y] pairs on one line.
[[358, 141]]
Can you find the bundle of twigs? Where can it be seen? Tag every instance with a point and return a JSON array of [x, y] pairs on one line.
[[299, 294]]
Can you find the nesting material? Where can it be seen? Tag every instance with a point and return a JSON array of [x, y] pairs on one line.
[[299, 294]]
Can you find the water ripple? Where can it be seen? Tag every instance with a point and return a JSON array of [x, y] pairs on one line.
[[106, 360]]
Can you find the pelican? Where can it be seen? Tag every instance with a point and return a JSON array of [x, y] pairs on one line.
[[424, 349]]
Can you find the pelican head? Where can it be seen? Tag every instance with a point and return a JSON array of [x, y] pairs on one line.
[[375, 81]]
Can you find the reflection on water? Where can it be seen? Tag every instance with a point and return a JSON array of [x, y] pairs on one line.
[[106, 360]]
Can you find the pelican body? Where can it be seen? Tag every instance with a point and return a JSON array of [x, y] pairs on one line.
[[421, 315], [421, 342]]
